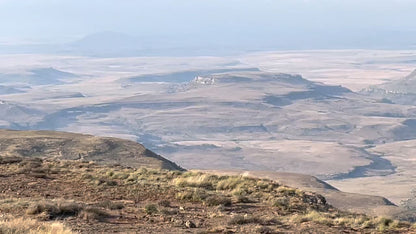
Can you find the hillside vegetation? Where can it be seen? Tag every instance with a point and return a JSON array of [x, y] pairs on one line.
[[64, 196]]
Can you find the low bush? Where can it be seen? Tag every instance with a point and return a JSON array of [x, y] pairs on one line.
[[229, 183], [54, 210], [246, 219], [151, 209], [243, 199], [196, 195], [281, 202], [200, 181], [164, 203], [215, 200]]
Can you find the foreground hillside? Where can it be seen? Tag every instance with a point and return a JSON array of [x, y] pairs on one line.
[[86, 197]]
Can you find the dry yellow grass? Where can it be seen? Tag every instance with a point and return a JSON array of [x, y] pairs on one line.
[[31, 226]]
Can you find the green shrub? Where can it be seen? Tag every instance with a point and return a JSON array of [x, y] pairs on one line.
[[287, 191], [281, 202], [151, 209]]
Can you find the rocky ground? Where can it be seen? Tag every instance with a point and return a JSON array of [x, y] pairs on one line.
[[90, 198]]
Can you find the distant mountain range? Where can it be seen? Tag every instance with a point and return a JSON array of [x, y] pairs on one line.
[[38, 76], [115, 44]]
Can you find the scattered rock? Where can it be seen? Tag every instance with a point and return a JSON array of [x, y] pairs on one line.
[[177, 222], [314, 199], [190, 224]]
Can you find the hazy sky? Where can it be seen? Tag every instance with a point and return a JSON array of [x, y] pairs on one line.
[[264, 20]]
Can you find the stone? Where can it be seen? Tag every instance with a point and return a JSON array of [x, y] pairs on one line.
[[190, 224]]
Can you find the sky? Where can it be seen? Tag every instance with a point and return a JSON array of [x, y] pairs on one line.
[[271, 22]]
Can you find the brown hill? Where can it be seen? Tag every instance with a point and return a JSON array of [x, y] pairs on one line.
[[72, 146]]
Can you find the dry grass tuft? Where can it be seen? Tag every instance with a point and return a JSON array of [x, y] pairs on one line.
[[246, 219], [199, 181], [52, 210], [230, 183], [31, 226], [243, 199], [195, 195], [216, 200]]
